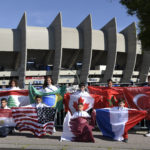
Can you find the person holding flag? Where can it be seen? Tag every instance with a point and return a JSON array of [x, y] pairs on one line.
[[47, 88], [109, 83], [4, 104], [111, 99], [36, 117], [13, 85], [38, 102], [48, 85], [81, 125], [78, 124], [78, 127], [82, 88], [115, 122], [6, 121], [148, 121], [121, 107], [80, 112]]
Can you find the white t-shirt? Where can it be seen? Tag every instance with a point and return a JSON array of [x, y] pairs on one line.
[[120, 108], [14, 88], [80, 114], [82, 93], [6, 107], [37, 105], [50, 88]]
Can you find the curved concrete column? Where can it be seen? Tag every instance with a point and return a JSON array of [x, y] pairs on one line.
[[131, 49], [145, 66], [110, 34], [86, 29], [22, 28], [74, 58], [57, 27]]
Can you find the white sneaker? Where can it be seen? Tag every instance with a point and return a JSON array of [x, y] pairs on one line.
[[148, 134], [54, 130]]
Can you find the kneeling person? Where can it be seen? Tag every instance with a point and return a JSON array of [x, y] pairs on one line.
[[38, 102], [82, 124], [80, 112], [5, 124]]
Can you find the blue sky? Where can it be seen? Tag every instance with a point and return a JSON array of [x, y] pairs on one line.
[[42, 12]]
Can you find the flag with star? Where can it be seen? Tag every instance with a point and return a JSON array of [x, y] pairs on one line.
[[6, 118], [45, 114], [52, 99], [110, 95], [39, 121]]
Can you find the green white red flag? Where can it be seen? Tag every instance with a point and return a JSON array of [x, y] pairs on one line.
[[16, 98]]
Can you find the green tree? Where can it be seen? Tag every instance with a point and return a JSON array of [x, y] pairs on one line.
[[140, 8], [11, 102]]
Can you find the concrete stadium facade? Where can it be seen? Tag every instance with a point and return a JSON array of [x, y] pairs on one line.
[[72, 54]]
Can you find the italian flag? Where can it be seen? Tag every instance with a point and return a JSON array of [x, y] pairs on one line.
[[16, 98], [6, 118]]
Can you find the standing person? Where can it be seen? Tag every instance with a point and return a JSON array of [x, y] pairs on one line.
[[13, 85], [111, 97], [48, 85], [148, 121], [109, 83], [82, 88], [83, 92], [3, 88], [121, 107]]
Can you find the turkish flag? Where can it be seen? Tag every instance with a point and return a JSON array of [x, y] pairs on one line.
[[138, 98], [109, 96]]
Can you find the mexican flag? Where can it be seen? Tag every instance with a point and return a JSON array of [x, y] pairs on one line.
[[6, 119], [52, 99], [16, 98]]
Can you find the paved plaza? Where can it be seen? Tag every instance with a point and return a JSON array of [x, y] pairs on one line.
[[26, 140]]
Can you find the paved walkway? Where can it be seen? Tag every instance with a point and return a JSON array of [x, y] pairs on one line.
[[26, 140]]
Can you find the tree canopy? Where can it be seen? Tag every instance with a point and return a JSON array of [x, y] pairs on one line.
[[140, 8]]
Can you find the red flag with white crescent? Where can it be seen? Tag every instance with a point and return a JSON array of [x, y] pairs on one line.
[[138, 98]]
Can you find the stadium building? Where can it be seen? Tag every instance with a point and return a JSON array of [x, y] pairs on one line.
[[71, 55]]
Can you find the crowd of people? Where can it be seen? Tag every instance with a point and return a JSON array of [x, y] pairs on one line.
[[49, 87]]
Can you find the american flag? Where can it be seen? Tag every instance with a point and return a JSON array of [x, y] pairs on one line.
[[37, 120]]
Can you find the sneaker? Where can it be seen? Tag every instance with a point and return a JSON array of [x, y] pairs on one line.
[[148, 134], [125, 140]]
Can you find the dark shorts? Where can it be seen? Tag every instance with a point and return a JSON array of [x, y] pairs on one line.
[[4, 131], [148, 125]]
